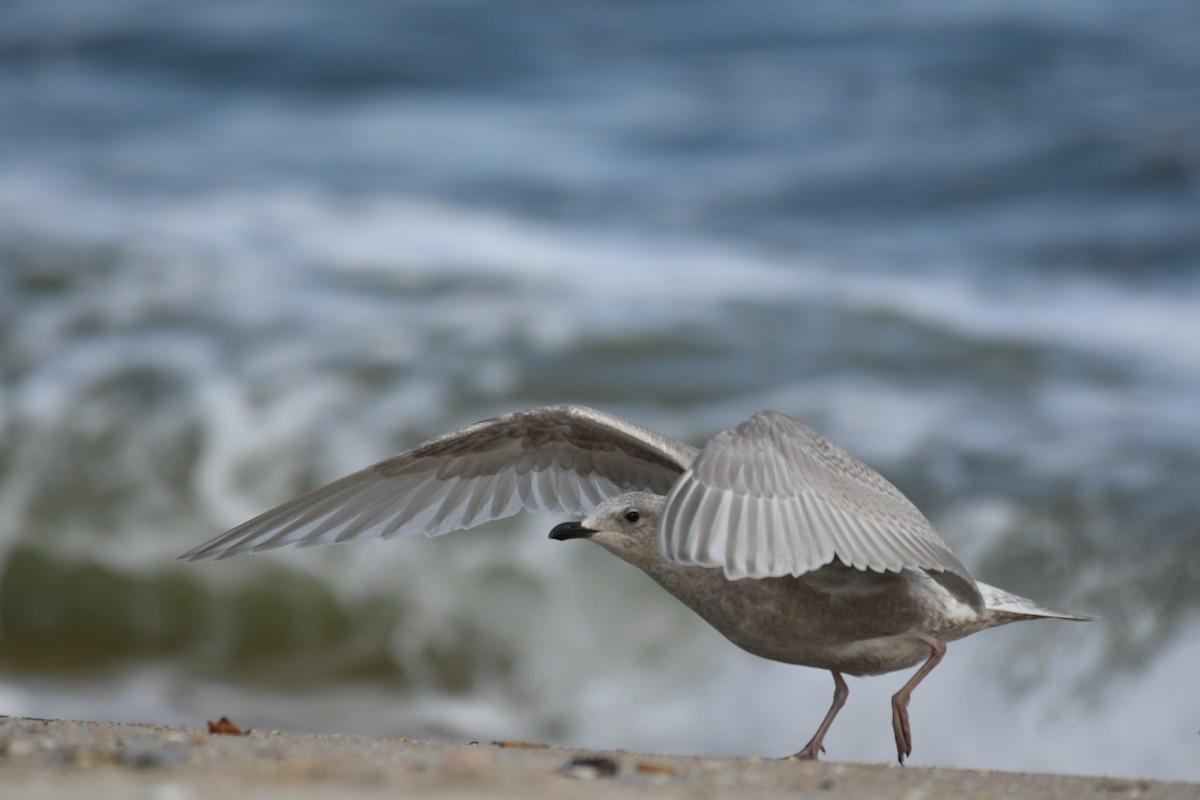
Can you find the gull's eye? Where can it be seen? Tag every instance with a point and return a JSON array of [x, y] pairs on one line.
[[632, 515]]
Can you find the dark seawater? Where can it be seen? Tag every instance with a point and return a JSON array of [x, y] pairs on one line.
[[247, 248]]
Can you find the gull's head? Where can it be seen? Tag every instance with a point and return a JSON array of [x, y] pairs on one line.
[[626, 526]]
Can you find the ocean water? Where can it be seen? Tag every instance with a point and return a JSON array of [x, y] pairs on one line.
[[245, 249]]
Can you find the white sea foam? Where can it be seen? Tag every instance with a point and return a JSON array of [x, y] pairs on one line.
[[256, 258], [279, 280]]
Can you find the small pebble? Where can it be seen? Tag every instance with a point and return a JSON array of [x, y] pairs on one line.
[[589, 768], [654, 768]]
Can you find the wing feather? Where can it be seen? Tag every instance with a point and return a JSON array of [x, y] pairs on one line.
[[771, 497], [506, 499], [481, 494], [553, 458]]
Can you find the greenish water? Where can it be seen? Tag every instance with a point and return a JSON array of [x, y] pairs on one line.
[[240, 258]]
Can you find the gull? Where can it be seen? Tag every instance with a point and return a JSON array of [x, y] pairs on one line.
[[790, 547]]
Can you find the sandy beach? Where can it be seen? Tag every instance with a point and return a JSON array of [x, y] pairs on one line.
[[52, 759]]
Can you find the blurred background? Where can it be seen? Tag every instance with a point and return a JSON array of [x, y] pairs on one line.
[[246, 248]]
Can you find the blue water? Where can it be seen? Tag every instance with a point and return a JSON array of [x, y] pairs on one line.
[[245, 249]]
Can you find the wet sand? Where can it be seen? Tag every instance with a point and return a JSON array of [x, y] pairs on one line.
[[57, 759]]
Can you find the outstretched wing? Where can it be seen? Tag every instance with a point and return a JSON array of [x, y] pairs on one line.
[[563, 458], [771, 497]]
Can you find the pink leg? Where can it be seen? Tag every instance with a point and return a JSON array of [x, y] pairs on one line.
[[900, 700], [814, 747]]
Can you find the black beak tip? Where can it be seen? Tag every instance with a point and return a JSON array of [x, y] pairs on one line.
[[570, 530]]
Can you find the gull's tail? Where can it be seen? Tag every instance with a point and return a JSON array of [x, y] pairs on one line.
[[1008, 607]]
